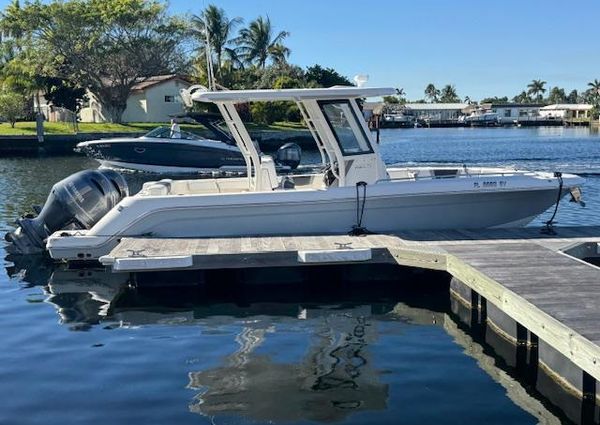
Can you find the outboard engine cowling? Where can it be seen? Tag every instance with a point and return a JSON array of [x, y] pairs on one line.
[[289, 155], [77, 202]]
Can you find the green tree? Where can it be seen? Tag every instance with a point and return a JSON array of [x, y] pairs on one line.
[[522, 97], [63, 93], [432, 93], [12, 106], [258, 42], [536, 89], [214, 21], [594, 89], [557, 95], [594, 97], [287, 111], [325, 77], [267, 112], [495, 99], [287, 82], [573, 97], [10, 37], [449, 95], [595, 86], [279, 54], [107, 46], [268, 77]]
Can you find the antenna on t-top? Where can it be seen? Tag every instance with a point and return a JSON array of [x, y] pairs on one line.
[[209, 63]]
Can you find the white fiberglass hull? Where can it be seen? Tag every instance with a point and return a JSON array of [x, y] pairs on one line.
[[389, 207]]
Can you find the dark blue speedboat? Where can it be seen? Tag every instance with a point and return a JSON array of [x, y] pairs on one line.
[[166, 150]]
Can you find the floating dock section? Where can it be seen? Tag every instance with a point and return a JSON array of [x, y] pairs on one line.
[[535, 290]]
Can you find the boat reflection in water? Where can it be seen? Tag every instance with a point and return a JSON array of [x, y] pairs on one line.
[[297, 353], [335, 377]]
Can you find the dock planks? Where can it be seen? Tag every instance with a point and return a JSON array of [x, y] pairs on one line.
[[520, 271]]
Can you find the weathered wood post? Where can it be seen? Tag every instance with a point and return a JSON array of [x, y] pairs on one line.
[[39, 126]]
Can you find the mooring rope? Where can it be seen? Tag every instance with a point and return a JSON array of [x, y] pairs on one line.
[[549, 229], [358, 229]]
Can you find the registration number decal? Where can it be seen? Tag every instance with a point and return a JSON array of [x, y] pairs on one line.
[[486, 184]]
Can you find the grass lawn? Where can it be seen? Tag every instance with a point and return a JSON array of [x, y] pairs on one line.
[[28, 128], [277, 126]]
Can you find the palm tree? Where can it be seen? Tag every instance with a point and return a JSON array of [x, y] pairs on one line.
[[449, 94], [214, 21], [279, 54], [258, 42], [536, 89], [522, 97], [595, 87], [431, 93], [573, 97], [557, 95]]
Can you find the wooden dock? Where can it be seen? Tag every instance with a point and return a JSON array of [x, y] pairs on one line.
[[522, 272]]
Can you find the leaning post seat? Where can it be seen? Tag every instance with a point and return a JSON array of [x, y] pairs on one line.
[[269, 179]]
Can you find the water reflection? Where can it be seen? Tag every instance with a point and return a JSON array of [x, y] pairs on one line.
[[335, 377], [82, 297], [289, 357]]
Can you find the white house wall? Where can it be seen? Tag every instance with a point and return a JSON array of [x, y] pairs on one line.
[[93, 111], [137, 108], [515, 113], [157, 110], [142, 106]]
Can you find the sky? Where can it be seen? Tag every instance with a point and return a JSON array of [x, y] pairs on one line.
[[484, 48]]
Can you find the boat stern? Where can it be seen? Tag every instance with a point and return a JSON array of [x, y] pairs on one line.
[[78, 245]]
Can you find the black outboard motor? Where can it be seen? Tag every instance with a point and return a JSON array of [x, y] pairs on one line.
[[77, 202], [289, 155]]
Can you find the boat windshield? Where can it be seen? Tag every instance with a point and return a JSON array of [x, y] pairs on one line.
[[167, 133], [346, 127]]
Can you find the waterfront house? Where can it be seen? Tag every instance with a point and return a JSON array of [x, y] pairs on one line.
[[508, 113], [567, 112], [435, 112], [152, 100], [370, 109]]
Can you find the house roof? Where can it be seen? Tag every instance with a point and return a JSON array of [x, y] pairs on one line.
[[156, 80], [512, 105], [369, 106], [337, 92], [567, 107], [436, 106]]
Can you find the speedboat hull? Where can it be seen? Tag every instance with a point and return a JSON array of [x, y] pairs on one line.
[[163, 155], [462, 203]]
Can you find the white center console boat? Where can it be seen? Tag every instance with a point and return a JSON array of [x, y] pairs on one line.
[[355, 183]]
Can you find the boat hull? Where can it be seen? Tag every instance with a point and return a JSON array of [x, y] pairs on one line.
[[315, 212], [159, 156], [381, 215]]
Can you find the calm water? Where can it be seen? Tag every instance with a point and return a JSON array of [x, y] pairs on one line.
[[89, 349]]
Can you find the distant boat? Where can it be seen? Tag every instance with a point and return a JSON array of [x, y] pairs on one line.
[[481, 118], [396, 120]]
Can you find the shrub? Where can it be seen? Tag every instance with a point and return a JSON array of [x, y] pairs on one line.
[[266, 112], [12, 106]]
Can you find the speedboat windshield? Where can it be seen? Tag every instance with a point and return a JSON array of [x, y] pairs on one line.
[[167, 133]]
